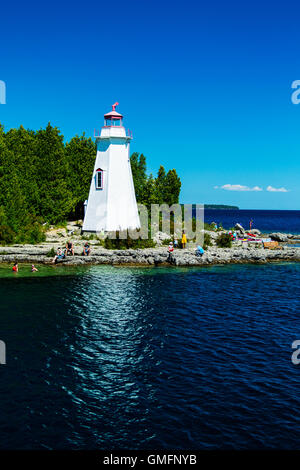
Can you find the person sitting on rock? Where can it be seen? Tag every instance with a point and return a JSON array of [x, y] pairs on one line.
[[170, 247], [199, 251], [59, 255], [33, 268], [86, 249], [69, 248]]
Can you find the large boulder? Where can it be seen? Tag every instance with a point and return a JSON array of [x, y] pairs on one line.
[[159, 237], [213, 235], [279, 237], [255, 231], [239, 228]]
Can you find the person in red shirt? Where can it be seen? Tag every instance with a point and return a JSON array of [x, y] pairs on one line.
[[15, 268]]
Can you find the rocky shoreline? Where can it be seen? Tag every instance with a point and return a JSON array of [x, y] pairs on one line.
[[151, 256]]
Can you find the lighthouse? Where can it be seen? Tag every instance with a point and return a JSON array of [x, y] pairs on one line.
[[111, 205]]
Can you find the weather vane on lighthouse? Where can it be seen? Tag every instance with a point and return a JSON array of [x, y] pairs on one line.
[[111, 205]]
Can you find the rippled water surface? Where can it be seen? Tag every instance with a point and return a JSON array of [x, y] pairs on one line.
[[137, 358]]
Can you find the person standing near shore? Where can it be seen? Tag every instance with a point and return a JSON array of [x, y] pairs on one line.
[[15, 268], [250, 224], [183, 240], [170, 251]]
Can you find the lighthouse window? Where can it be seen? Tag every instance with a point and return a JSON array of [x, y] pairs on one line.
[[99, 179]]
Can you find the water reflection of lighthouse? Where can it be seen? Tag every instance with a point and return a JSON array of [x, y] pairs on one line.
[[112, 204]]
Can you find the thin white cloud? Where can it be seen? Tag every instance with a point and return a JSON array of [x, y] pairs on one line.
[[277, 190], [239, 187]]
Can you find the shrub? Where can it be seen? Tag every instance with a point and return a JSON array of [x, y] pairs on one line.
[[224, 240], [61, 224], [51, 253], [209, 227], [92, 236], [206, 241], [7, 235], [33, 232], [127, 243]]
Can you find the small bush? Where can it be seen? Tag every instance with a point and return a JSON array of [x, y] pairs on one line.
[[51, 253], [33, 232], [206, 241], [224, 240], [209, 227], [92, 236], [7, 235], [62, 224], [127, 243]]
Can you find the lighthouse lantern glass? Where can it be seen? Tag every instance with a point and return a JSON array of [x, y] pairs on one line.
[[113, 122]]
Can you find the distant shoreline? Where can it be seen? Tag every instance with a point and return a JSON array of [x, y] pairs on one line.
[[220, 207]]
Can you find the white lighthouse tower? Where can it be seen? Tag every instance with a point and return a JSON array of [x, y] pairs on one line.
[[112, 204]]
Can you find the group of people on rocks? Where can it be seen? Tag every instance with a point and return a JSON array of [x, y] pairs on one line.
[[61, 254], [175, 244], [198, 251]]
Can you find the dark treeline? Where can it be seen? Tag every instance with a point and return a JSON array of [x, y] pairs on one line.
[[165, 188], [45, 181]]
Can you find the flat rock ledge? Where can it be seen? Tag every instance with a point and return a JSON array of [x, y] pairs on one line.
[[152, 256]]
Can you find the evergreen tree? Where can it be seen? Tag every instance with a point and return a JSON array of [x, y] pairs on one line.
[[161, 185], [172, 188], [55, 198], [80, 154], [139, 174], [165, 188]]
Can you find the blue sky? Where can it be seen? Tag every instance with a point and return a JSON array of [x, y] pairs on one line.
[[205, 88]]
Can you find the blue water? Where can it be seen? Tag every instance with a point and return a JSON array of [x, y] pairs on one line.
[[264, 220], [131, 358]]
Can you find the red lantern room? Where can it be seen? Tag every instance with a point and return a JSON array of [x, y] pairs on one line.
[[113, 119]]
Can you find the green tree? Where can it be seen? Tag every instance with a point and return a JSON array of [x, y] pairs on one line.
[[55, 200], [150, 194], [80, 155], [160, 183], [172, 188], [139, 175], [165, 188]]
